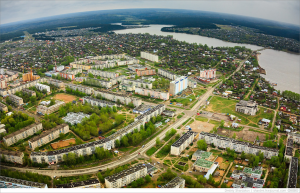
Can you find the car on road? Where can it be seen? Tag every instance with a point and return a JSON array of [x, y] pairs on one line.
[[158, 162], [99, 170], [143, 146]]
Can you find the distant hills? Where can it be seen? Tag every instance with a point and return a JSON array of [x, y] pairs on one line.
[[181, 18]]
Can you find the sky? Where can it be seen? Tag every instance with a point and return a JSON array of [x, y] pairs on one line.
[[277, 10]]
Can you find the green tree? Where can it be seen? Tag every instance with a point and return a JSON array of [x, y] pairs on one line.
[[202, 145], [224, 185], [101, 178], [134, 184], [243, 155], [52, 102], [148, 179], [222, 123], [117, 143], [157, 141], [234, 136]]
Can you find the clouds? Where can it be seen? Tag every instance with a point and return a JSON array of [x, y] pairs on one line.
[[17, 10]]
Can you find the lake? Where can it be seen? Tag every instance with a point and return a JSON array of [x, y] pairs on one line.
[[282, 68]]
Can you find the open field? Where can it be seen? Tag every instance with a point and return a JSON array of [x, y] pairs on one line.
[[198, 126], [245, 134], [223, 105], [63, 143], [65, 97]]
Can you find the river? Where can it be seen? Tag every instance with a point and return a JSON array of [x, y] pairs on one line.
[[282, 68]]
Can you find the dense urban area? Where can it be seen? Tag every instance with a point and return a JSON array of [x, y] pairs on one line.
[[85, 109]]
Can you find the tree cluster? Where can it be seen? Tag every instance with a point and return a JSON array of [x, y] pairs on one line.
[[16, 121]]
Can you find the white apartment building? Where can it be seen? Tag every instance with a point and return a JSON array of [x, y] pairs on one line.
[[15, 99], [84, 89], [42, 87], [177, 182], [3, 107], [104, 74], [154, 112], [93, 183], [97, 82], [118, 97], [7, 182], [83, 149], [48, 136], [48, 110], [125, 177], [138, 83], [148, 56], [167, 74], [12, 156], [97, 102], [57, 83], [22, 133], [30, 92], [183, 142], [238, 146]]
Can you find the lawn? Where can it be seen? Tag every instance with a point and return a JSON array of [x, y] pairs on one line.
[[217, 123], [124, 149], [203, 119], [224, 105], [151, 151]]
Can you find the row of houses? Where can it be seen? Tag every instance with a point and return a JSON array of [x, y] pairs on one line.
[[48, 110], [22, 133], [237, 146], [152, 93]]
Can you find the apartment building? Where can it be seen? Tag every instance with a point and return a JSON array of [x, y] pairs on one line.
[[138, 83], [289, 148], [97, 102], [125, 177], [177, 182], [238, 146], [124, 131], [84, 89], [167, 74], [3, 107], [3, 84], [141, 109], [42, 87], [146, 72], [94, 183], [137, 67], [97, 82], [48, 136], [70, 73], [248, 182], [178, 85], [293, 171], [22, 133], [104, 74], [208, 74], [154, 112], [127, 87], [123, 99], [152, 93], [12, 156], [183, 142], [29, 92], [19, 88], [295, 137], [148, 56], [169, 113], [7, 182], [15, 99], [246, 107], [48, 110], [57, 83], [83, 149]]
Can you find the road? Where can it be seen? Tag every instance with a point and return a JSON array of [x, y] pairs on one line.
[[130, 157]]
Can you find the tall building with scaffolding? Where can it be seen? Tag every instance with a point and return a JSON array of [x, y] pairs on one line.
[[30, 77]]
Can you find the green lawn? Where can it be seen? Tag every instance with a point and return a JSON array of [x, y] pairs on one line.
[[217, 123], [203, 119], [124, 149], [151, 151]]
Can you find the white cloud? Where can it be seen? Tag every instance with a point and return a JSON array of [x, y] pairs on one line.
[[17, 10]]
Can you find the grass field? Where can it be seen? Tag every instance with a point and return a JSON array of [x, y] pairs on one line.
[[223, 105], [203, 119]]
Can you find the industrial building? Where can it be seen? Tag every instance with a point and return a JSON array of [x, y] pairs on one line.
[[238, 146], [12, 156], [148, 56], [16, 100], [246, 107], [22, 133], [293, 171], [178, 85], [152, 93], [29, 92], [48, 110], [94, 183], [123, 99], [125, 177], [138, 83], [42, 87], [7, 182], [177, 182], [84, 89], [75, 118], [183, 142], [70, 73], [167, 74], [3, 107], [48, 136], [146, 72], [83, 149], [97, 102]]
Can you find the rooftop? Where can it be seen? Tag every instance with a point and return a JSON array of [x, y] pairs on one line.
[[98, 100], [8, 152], [182, 139], [18, 181], [293, 173], [44, 134], [203, 163], [202, 154], [124, 173], [255, 170], [78, 184], [75, 118], [21, 130], [173, 183], [142, 108]]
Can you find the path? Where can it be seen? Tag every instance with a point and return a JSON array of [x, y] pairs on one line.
[[226, 173]]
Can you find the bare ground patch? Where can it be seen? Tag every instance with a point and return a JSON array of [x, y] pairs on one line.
[[245, 134], [199, 126], [63, 143], [65, 97]]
